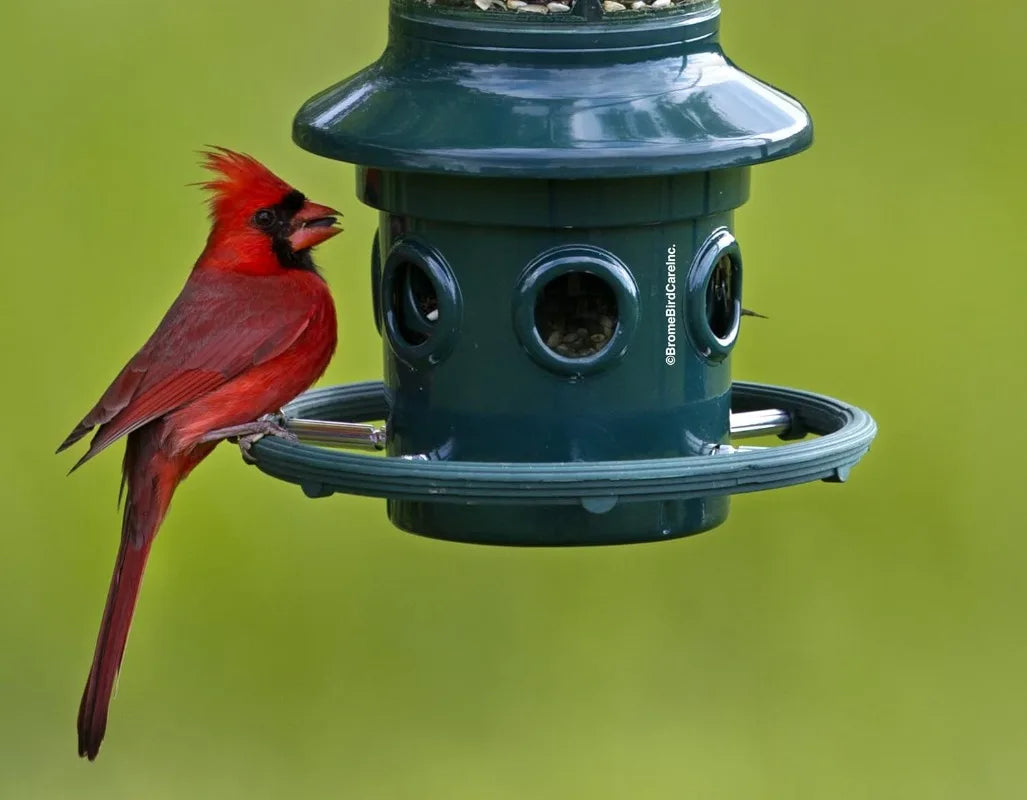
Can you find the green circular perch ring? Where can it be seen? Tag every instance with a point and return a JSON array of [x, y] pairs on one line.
[[844, 435]]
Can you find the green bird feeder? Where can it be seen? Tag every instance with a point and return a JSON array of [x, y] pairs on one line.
[[557, 279]]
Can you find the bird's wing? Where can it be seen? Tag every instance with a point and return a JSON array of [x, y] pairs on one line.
[[214, 331]]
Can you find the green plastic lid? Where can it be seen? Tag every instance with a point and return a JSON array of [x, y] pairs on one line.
[[553, 96]]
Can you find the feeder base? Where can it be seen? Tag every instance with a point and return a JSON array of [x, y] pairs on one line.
[[566, 503], [554, 526]]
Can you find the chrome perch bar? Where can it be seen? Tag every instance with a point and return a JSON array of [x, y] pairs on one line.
[[765, 422], [745, 424], [338, 434]]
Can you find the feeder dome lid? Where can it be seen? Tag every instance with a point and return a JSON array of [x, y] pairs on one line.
[[501, 94]]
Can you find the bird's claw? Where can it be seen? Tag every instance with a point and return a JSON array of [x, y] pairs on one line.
[[248, 434], [246, 446]]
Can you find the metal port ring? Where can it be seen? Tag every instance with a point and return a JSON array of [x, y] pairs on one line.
[[845, 433]]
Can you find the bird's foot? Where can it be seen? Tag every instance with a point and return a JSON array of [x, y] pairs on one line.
[[248, 434]]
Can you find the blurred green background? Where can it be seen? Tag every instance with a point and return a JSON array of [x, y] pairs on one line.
[[856, 641]]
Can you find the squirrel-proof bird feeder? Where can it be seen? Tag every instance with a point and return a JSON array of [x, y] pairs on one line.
[[557, 279]]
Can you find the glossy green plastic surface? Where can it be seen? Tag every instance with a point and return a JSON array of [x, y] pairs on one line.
[[546, 96], [484, 386], [581, 162], [478, 388]]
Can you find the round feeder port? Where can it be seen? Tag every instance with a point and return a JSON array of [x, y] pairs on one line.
[[714, 296], [376, 282], [575, 309], [421, 305]]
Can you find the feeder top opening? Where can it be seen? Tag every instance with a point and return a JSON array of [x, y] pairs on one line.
[[568, 10], [585, 93]]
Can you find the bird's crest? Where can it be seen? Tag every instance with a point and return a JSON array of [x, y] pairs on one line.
[[241, 183]]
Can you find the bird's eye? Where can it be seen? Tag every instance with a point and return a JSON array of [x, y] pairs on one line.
[[264, 219]]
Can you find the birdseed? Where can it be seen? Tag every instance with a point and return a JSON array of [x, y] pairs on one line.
[[576, 315], [541, 7]]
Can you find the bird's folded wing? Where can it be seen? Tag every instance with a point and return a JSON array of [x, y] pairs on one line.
[[210, 335]]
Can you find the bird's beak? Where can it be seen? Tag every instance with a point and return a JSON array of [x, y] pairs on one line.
[[312, 225]]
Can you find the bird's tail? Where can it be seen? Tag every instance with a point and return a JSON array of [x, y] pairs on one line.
[[151, 477], [110, 645]]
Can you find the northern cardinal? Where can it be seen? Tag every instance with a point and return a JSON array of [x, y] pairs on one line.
[[253, 327]]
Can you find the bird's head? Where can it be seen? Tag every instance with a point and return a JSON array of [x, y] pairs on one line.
[[260, 223]]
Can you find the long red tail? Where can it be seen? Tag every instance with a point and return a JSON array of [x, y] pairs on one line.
[[151, 476], [110, 645]]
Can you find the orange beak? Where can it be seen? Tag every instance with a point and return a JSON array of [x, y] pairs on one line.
[[312, 225]]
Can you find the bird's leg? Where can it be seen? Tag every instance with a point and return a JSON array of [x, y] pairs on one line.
[[245, 435]]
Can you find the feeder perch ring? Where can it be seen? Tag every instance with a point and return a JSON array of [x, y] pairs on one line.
[[844, 436]]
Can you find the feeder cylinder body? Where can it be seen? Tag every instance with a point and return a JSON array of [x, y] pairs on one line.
[[464, 273]]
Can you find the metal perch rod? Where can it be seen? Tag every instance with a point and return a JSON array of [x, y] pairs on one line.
[[765, 422]]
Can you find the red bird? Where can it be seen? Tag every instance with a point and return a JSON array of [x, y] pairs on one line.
[[253, 327]]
